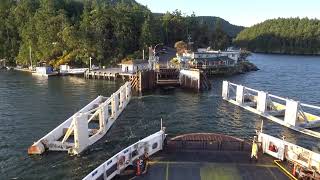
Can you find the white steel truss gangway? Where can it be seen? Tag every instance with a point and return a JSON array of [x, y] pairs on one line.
[[287, 112], [86, 126]]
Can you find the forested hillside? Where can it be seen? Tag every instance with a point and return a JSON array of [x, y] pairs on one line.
[[289, 36], [213, 22], [71, 31]]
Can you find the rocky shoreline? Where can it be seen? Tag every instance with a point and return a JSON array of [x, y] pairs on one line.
[[240, 68]]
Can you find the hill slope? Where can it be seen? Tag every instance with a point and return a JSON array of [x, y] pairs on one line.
[[212, 21], [282, 35]]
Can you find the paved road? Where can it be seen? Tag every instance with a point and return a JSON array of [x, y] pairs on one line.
[[170, 53]]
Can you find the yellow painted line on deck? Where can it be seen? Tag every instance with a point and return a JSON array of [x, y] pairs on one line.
[[197, 163], [286, 172], [167, 171], [272, 174]]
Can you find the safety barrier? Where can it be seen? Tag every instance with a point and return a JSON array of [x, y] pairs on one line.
[[128, 156], [284, 150], [102, 112], [286, 112]]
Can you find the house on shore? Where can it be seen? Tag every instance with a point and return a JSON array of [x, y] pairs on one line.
[[132, 66], [203, 58]]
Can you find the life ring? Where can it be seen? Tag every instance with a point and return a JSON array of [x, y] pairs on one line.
[[121, 160]]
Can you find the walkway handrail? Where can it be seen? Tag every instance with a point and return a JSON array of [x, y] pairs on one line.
[[310, 106], [126, 157], [289, 151], [277, 97], [105, 109], [288, 113]]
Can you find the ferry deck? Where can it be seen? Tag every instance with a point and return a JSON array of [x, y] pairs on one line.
[[205, 156]]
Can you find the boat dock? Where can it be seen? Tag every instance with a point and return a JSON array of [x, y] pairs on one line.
[[284, 111], [149, 79], [108, 74], [76, 133]]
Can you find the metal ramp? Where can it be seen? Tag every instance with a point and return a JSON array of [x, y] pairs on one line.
[[86, 126], [287, 112]]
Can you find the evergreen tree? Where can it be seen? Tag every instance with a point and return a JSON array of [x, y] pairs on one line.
[[282, 35]]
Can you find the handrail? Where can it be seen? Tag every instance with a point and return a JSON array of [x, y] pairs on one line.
[[251, 89], [284, 153], [117, 105], [284, 170], [291, 110], [277, 97], [310, 106], [107, 165]]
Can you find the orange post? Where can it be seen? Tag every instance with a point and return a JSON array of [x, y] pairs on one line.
[[138, 168], [294, 170]]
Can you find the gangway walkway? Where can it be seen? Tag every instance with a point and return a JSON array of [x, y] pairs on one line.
[[86, 126], [287, 112]]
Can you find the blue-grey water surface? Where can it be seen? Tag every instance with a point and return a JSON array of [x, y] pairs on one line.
[[30, 107]]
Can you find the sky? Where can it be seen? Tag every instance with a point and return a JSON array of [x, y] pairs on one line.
[[239, 12]]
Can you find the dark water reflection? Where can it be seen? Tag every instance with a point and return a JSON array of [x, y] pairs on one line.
[[31, 106]]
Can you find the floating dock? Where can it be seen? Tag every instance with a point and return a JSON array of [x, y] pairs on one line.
[[286, 112], [149, 79], [109, 74], [86, 126]]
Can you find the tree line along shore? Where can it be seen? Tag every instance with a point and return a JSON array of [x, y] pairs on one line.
[[72, 31], [282, 36]]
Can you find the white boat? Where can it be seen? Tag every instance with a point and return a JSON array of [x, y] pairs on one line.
[[45, 72], [67, 70]]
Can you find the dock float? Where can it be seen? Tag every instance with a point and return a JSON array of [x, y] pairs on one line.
[[284, 111], [86, 126]]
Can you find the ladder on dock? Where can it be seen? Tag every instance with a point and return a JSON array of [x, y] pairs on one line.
[[86, 126]]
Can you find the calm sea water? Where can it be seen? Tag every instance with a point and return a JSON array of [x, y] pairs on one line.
[[30, 107]]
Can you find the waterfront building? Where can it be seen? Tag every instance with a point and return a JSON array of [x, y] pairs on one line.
[[205, 58], [132, 66]]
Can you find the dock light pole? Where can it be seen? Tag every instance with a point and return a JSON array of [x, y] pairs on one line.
[[30, 56], [154, 49]]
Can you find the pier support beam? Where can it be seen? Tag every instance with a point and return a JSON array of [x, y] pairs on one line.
[[122, 96], [262, 101], [225, 90], [104, 116], [190, 79], [291, 113], [115, 105], [81, 133], [128, 91], [240, 93]]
